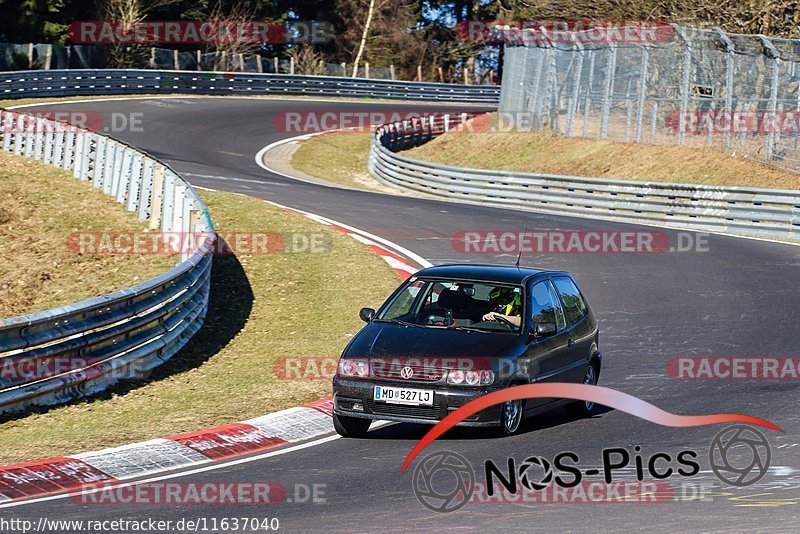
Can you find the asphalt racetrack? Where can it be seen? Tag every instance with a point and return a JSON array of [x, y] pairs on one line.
[[735, 297]]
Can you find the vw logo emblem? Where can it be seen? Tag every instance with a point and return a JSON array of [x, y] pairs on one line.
[[406, 372]]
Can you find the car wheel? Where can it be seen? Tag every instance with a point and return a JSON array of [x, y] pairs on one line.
[[350, 427], [511, 417], [585, 408]]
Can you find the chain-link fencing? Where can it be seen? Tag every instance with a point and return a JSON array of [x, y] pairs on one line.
[[663, 85]]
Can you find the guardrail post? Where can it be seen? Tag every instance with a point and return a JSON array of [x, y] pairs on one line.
[[58, 145], [145, 197], [81, 158], [67, 161], [7, 129], [179, 193], [113, 163], [123, 182], [101, 148], [34, 148], [187, 239], [168, 203], [20, 135], [135, 182], [157, 197], [49, 146]]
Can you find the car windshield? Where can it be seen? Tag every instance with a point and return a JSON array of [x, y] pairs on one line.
[[468, 305]]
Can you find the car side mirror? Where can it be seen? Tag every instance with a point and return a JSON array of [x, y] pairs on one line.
[[366, 314], [544, 330]]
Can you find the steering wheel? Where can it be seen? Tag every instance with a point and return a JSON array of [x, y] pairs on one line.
[[504, 321]]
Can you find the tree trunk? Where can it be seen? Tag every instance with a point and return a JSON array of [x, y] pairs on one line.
[[364, 35]]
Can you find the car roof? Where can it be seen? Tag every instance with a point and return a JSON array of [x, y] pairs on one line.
[[509, 274]]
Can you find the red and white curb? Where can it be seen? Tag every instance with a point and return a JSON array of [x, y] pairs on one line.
[[148, 457], [135, 460]]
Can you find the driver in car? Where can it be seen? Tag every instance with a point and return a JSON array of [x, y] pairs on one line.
[[508, 306]]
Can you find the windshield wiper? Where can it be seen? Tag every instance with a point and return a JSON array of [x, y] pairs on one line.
[[395, 321], [470, 329]]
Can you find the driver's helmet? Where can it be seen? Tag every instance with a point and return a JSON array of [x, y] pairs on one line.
[[507, 300]]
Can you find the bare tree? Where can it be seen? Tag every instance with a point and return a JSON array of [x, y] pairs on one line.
[[364, 35], [128, 13], [229, 51], [307, 60]]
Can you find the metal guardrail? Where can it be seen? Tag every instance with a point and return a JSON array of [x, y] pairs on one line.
[[127, 333], [742, 210], [81, 348], [37, 83]]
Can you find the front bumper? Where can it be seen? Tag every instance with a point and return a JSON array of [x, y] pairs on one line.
[[446, 399]]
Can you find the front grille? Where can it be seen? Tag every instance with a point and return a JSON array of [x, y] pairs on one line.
[[421, 373], [473, 417], [402, 410]]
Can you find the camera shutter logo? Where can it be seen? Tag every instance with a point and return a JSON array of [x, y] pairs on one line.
[[739, 455], [528, 466], [406, 372], [443, 481]]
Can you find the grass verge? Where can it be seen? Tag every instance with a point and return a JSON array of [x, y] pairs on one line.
[[341, 158], [40, 206], [538, 152], [338, 157], [263, 307]]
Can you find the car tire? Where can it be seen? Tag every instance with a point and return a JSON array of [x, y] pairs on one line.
[[350, 427], [585, 408], [511, 416]]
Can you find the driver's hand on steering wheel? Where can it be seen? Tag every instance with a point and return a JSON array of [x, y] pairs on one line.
[[494, 316]]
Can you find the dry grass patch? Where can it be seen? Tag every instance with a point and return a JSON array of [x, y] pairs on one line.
[[337, 157], [40, 206], [544, 153], [263, 307]]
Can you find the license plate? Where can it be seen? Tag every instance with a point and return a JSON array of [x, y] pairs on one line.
[[416, 397]]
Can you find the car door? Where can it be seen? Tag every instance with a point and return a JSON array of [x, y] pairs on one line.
[[546, 357], [579, 329]]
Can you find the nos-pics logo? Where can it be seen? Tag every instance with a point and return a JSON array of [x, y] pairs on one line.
[[444, 481]]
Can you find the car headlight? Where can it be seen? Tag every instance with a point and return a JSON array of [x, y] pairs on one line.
[[458, 377], [353, 368]]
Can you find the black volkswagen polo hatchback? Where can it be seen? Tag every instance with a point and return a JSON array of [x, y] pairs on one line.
[[452, 333]]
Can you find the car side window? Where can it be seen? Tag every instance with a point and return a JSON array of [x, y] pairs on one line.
[[574, 305], [546, 308]]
